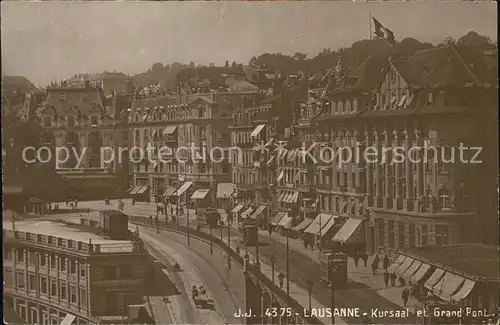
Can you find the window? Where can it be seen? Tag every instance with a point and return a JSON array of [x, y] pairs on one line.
[[72, 265], [83, 298], [82, 270], [8, 277], [62, 264], [444, 198], [47, 121], [430, 98], [43, 285], [442, 235], [32, 282], [7, 254], [93, 120], [21, 280], [63, 293], [53, 288], [71, 121], [43, 260], [20, 256], [72, 296], [53, 261]]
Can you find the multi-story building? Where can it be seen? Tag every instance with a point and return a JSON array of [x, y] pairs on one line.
[[92, 127], [109, 82], [51, 270], [255, 131], [432, 99], [194, 128]]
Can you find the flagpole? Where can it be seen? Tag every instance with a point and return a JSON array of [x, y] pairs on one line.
[[370, 24]]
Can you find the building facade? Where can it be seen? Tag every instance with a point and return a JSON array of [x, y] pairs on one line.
[[89, 129], [48, 277]]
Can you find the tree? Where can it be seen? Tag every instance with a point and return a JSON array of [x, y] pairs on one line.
[[211, 65], [253, 62], [226, 65], [300, 56], [234, 65], [192, 65], [476, 41]]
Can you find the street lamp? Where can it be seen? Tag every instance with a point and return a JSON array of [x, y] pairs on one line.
[[211, 244], [273, 260], [287, 268], [228, 242], [332, 288], [309, 289]]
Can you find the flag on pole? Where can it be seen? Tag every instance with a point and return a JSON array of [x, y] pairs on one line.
[[384, 32]]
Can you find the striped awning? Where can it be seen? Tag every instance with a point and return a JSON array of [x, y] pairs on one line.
[[286, 221], [277, 218], [169, 129], [257, 130], [224, 190], [237, 208], [303, 225], [200, 194], [247, 212], [258, 212], [183, 188]]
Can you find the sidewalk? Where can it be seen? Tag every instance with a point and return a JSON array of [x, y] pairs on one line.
[[359, 274]]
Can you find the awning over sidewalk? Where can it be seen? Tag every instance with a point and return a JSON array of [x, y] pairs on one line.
[[135, 190], [247, 212], [169, 129], [419, 275], [447, 286], [328, 225], [286, 221], [396, 264], [237, 208], [258, 212], [464, 291], [224, 190], [404, 266], [288, 197], [68, 319], [277, 218], [200, 194], [142, 190], [347, 230], [294, 197], [314, 227], [257, 130], [411, 270], [303, 225], [434, 278], [183, 188], [282, 196]]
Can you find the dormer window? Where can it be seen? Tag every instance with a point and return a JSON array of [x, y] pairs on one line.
[[430, 98], [71, 121], [402, 100]]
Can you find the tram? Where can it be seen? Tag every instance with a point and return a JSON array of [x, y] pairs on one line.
[[334, 267], [248, 230]]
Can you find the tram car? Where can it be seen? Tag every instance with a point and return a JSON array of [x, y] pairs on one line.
[[248, 230], [334, 268]]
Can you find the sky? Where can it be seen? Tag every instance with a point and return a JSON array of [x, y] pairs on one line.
[[55, 40]]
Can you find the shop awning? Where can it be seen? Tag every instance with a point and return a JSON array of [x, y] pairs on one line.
[[280, 176], [411, 270], [142, 190], [328, 225], [154, 132], [434, 278], [200, 194], [237, 208], [313, 228], [135, 190], [404, 266], [396, 264], [287, 197], [258, 212], [464, 291], [294, 197], [419, 275], [169, 191], [169, 129], [224, 190], [447, 286], [315, 203], [303, 225], [257, 130], [281, 197], [128, 191], [347, 230], [286, 221], [247, 212], [68, 319], [277, 218], [183, 188]]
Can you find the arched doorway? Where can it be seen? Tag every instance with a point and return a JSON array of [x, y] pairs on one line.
[[94, 149]]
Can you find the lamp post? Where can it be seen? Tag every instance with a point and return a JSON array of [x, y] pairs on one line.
[[211, 244], [187, 216], [273, 260], [287, 268], [309, 289], [228, 242], [332, 288]]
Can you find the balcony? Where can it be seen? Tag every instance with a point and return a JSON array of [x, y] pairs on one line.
[[89, 170], [304, 122]]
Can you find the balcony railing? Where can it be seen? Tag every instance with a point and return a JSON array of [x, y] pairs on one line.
[[83, 170]]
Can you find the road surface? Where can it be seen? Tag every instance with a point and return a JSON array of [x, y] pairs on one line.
[[200, 268]]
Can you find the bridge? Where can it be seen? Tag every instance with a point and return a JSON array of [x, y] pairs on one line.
[[261, 293]]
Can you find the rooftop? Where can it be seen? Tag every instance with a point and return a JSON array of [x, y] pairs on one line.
[[475, 259], [74, 232]]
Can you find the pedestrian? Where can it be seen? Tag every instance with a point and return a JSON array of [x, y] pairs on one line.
[[305, 243], [405, 295], [238, 249], [281, 279], [402, 282], [386, 262], [386, 278], [376, 261], [270, 230], [365, 258], [393, 279], [356, 258], [374, 267]]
